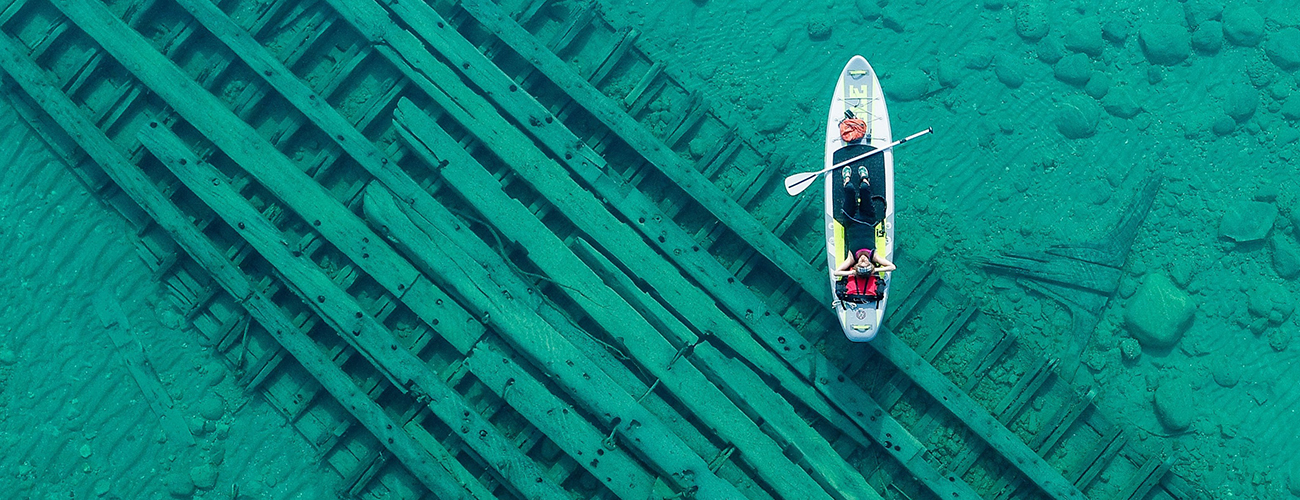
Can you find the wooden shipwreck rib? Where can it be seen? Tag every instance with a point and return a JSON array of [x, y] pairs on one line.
[[467, 263]]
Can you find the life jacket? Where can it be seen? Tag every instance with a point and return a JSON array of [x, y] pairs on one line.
[[855, 288], [863, 288]]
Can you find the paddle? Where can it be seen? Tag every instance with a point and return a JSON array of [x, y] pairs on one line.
[[797, 183]]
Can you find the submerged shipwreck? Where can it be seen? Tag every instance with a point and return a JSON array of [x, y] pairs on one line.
[[482, 250]]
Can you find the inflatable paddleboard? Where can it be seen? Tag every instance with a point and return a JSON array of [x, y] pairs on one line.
[[858, 91]]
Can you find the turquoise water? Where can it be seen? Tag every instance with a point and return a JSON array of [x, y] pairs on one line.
[[1048, 117]]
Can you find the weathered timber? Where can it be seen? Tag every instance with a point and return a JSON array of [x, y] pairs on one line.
[[634, 333], [524, 392], [886, 431], [438, 253], [561, 142], [348, 318], [634, 205], [115, 322], [313, 107], [141, 189], [472, 111], [976, 417]]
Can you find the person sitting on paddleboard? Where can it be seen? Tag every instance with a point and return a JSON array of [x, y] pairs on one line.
[[860, 271]]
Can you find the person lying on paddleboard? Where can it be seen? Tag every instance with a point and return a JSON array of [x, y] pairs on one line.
[[860, 270]]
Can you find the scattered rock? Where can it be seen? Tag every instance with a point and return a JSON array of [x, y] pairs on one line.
[[1130, 349], [819, 28], [212, 407], [1166, 44], [1078, 119], [950, 73], [1243, 25], [892, 20], [1240, 102], [1031, 20], [1200, 11], [1158, 313], [1247, 221], [7, 356], [1050, 50], [1283, 48], [1116, 29], [1291, 109], [1226, 373], [1208, 37], [179, 485], [102, 487], [1286, 256], [772, 121], [1098, 85], [1224, 126], [1074, 69], [1119, 102], [979, 56], [869, 9], [908, 84], [1279, 340], [204, 476], [1085, 36], [1271, 301], [1175, 406], [1010, 71]]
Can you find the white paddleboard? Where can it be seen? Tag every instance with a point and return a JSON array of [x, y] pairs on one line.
[[858, 90]]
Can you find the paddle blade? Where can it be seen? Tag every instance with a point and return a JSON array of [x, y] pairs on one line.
[[797, 183]]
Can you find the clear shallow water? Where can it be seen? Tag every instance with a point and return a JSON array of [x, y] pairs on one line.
[[1049, 116], [1042, 140]]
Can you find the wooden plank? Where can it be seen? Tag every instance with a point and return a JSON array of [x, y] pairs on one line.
[[625, 41], [438, 252], [115, 322], [1099, 457], [142, 190], [940, 337], [974, 416], [346, 316], [884, 430], [615, 468], [638, 337], [772, 329], [1010, 405], [987, 357], [1147, 477], [430, 304], [633, 100], [578, 21], [1060, 423], [696, 110], [698, 187]]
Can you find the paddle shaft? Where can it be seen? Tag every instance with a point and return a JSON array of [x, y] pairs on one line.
[[874, 151], [798, 186]]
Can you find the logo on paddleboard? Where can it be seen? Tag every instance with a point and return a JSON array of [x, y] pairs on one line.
[[862, 314]]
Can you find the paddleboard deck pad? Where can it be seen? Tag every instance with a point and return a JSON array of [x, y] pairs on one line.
[[858, 91]]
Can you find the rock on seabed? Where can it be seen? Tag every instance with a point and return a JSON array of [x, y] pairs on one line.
[[1248, 221], [1165, 44], [1175, 406], [1158, 313]]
